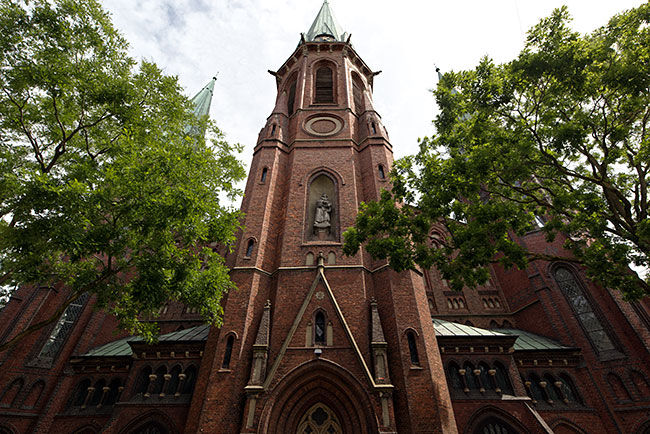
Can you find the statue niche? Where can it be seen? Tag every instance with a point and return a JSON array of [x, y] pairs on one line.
[[321, 222]]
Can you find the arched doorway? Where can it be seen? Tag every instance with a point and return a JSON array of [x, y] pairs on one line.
[[319, 419], [319, 391]]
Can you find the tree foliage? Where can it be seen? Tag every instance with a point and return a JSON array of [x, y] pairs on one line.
[[559, 134], [101, 189]]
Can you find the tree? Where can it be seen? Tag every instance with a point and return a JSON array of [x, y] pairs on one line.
[[101, 189], [559, 135]]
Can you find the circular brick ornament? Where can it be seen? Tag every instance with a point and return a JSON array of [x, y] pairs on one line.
[[323, 125]]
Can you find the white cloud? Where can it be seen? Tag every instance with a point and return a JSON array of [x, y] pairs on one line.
[[242, 39]]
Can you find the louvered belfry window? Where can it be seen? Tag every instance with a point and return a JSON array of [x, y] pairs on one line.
[[324, 86]]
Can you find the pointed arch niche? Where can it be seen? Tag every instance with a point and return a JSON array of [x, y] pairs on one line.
[[322, 208]]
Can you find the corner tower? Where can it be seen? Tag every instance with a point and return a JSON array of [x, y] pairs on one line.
[[314, 341]]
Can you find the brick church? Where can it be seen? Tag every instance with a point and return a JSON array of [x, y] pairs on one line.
[[317, 342]]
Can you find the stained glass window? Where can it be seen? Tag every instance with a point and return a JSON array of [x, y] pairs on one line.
[[583, 309], [63, 328]]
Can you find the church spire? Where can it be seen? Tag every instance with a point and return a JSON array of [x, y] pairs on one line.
[[325, 27], [203, 99]]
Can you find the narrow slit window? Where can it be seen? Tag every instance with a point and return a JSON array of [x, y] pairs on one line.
[[319, 329], [382, 174], [249, 248], [264, 173], [374, 128], [324, 86], [413, 348], [227, 354], [356, 96], [292, 97]]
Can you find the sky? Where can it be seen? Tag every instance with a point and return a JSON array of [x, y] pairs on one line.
[[240, 40]]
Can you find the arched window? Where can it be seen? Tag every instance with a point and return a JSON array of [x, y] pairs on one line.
[[227, 354], [454, 376], [413, 348], [486, 383], [535, 389], [319, 328], [502, 379], [640, 384], [98, 393], [618, 388], [151, 428], [292, 97], [159, 382], [172, 385], [62, 328], [34, 394], [190, 379], [574, 293], [382, 175], [309, 259], [11, 393], [265, 171], [470, 377], [113, 392], [80, 392], [249, 248], [357, 94], [569, 389], [552, 390], [319, 419], [142, 383], [493, 425], [324, 91]]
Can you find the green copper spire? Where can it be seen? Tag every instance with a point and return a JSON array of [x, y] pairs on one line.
[[325, 27], [201, 103], [203, 99]]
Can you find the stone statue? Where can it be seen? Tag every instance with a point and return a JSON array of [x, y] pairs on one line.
[[323, 213]]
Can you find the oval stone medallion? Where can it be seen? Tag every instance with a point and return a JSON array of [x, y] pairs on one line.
[[323, 125]]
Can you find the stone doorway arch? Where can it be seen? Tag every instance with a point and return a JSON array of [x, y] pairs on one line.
[[314, 385]]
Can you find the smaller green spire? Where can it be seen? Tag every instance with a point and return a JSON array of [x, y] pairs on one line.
[[201, 103], [203, 99], [325, 26]]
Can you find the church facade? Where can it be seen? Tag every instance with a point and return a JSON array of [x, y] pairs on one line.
[[317, 342]]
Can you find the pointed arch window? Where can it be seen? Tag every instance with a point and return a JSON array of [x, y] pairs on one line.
[[357, 94], [292, 97], [249, 248], [501, 378], [583, 309], [324, 89], [265, 171], [227, 354], [319, 419], [382, 174], [62, 328], [455, 377], [413, 348], [319, 329]]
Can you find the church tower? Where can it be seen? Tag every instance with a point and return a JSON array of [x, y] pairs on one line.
[[312, 340]]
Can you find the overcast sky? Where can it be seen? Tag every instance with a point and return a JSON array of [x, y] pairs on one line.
[[242, 39]]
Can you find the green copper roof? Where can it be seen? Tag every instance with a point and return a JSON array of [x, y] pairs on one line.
[[203, 99], [325, 24], [448, 328], [526, 341], [121, 347]]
